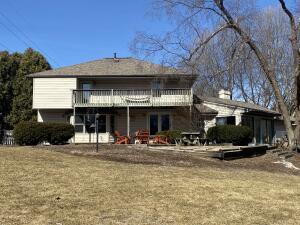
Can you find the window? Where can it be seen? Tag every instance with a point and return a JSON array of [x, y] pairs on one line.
[[79, 123], [102, 124], [165, 122], [159, 122], [90, 123], [87, 123], [78, 128], [229, 120]]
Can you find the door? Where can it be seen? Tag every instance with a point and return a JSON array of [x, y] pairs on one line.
[[86, 87], [153, 124]]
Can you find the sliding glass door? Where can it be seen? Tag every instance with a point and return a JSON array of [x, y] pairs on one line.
[[159, 122]]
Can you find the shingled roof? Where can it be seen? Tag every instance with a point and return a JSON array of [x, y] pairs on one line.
[[112, 67], [250, 106], [205, 110]]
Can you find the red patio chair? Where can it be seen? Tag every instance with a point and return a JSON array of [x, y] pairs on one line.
[[142, 136], [121, 139]]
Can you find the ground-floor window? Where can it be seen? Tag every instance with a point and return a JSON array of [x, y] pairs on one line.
[[228, 120], [159, 122], [87, 123]]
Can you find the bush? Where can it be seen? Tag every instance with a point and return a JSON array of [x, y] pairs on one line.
[[58, 133], [28, 133], [33, 133], [171, 134], [237, 135]]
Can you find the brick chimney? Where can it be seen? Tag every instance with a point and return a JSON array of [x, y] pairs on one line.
[[224, 94]]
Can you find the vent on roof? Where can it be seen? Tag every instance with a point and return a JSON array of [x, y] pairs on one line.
[[115, 58]]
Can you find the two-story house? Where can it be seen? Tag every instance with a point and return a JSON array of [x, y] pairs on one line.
[[129, 95]]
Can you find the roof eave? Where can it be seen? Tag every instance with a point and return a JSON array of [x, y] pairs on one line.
[[240, 107], [188, 76]]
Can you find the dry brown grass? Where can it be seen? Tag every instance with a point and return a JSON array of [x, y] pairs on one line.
[[47, 187]]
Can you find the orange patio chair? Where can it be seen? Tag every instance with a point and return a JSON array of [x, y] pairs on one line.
[[121, 139], [161, 140], [142, 136]]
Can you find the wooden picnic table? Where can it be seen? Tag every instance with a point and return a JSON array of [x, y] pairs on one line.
[[193, 138]]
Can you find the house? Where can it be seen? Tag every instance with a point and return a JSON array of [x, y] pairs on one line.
[[264, 123], [130, 94]]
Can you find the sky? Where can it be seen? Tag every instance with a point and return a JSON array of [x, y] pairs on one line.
[[69, 32]]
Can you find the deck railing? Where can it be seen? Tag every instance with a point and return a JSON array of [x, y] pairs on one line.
[[123, 98]]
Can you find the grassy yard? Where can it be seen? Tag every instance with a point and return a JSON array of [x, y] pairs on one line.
[[47, 187]]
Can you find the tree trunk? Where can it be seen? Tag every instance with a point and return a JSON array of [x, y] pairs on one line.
[[294, 39], [270, 74]]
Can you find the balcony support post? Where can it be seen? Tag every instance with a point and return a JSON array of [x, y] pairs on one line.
[[128, 121], [73, 122], [191, 117]]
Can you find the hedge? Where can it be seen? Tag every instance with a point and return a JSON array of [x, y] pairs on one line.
[[33, 133], [237, 135]]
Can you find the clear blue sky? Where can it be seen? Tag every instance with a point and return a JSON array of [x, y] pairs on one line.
[[74, 31]]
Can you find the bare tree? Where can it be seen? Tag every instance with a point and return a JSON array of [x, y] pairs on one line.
[[200, 22]]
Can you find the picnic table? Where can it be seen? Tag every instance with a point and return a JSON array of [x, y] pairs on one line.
[[192, 138]]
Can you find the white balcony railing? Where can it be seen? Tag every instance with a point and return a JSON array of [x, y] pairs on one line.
[[123, 98]]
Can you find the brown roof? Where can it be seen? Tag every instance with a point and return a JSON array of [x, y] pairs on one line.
[[112, 67], [250, 106]]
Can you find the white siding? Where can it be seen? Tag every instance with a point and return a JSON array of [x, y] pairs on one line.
[[224, 111], [53, 93]]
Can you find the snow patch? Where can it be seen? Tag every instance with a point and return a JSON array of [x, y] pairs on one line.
[[287, 164]]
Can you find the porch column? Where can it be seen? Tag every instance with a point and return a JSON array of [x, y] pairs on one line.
[[128, 121], [74, 113], [191, 117]]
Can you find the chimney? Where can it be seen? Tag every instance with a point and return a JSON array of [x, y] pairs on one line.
[[224, 94]]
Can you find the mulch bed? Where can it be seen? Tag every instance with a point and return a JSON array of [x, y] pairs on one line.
[[140, 155]]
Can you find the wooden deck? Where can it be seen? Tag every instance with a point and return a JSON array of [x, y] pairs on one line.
[[221, 152], [133, 98]]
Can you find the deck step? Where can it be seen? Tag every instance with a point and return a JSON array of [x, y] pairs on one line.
[[276, 150], [286, 154], [283, 153], [289, 155]]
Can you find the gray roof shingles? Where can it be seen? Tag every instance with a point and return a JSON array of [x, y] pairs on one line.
[[112, 67], [245, 105]]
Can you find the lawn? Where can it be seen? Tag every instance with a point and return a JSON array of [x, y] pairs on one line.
[[40, 186]]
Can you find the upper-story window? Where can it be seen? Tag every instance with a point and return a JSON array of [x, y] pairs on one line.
[[156, 84], [86, 86], [86, 93]]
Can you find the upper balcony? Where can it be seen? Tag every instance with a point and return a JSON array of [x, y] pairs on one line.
[[132, 98]]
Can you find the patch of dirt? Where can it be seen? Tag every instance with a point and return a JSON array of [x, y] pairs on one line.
[[141, 155]]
